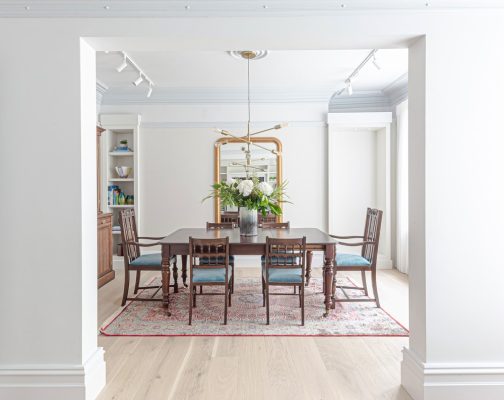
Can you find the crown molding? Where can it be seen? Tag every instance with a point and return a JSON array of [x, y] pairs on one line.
[[219, 8], [378, 101], [230, 125], [131, 96]]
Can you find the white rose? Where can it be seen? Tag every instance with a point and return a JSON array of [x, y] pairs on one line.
[[265, 188], [230, 182], [245, 187]]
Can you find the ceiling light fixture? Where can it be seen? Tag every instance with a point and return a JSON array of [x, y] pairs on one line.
[[142, 76], [123, 65], [247, 139], [348, 81], [138, 80]]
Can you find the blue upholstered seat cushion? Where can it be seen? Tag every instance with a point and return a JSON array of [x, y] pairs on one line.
[[148, 260], [201, 275], [351, 260], [220, 260], [279, 260], [284, 275]]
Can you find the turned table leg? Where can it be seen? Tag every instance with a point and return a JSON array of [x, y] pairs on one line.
[[309, 259], [165, 276], [184, 270], [175, 277], [329, 254]]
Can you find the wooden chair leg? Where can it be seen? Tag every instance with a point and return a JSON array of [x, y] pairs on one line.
[[175, 276], [267, 304], [294, 289], [263, 291], [364, 282], [230, 293], [190, 302], [301, 289], [309, 259], [225, 303], [201, 289], [375, 288], [137, 281], [232, 278], [194, 296], [300, 301], [126, 286]]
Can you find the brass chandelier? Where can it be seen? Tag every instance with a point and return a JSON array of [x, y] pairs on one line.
[[246, 139]]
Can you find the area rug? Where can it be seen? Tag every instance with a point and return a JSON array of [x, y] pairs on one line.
[[247, 317]]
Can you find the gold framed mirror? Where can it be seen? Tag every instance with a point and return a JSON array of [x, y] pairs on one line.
[[267, 167]]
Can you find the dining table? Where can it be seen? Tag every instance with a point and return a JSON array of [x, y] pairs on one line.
[[177, 244]]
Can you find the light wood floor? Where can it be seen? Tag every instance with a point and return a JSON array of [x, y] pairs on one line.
[[256, 368]]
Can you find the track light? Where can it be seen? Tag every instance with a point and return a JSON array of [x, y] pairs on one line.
[[349, 89], [123, 65], [138, 80], [149, 91]]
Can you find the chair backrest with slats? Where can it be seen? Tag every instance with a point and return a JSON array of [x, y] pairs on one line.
[[276, 225], [372, 234], [129, 233], [215, 252], [220, 225], [232, 217], [268, 218], [285, 253]]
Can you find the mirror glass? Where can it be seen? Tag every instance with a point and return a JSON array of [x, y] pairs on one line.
[[230, 160]]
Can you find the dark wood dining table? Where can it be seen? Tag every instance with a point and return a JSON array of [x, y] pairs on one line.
[[177, 244]]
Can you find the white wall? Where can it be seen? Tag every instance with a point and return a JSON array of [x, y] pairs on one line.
[[456, 91], [178, 162]]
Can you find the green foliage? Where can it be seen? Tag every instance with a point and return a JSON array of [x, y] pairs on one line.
[[232, 194]]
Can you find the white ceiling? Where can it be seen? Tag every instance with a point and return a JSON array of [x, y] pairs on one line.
[[285, 71]]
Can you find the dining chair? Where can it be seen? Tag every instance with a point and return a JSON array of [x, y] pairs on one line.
[[284, 265], [366, 261], [214, 271], [222, 225], [134, 260], [276, 225]]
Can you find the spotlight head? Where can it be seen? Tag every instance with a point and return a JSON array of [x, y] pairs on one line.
[[281, 125], [123, 65], [149, 91], [138, 80]]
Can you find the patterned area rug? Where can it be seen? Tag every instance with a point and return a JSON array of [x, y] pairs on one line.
[[247, 317]]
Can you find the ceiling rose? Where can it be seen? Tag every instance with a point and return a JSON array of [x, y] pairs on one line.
[[249, 54]]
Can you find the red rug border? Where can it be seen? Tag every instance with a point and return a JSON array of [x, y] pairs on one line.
[[102, 329]]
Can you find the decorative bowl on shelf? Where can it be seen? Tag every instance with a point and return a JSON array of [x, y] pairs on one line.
[[123, 172]]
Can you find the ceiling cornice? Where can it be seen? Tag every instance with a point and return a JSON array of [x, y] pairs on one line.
[[223, 8], [117, 96], [377, 101]]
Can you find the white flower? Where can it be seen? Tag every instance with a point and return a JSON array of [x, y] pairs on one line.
[[265, 188], [245, 187], [230, 182]]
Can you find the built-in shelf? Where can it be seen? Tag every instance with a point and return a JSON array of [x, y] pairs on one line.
[[122, 206], [122, 180], [122, 153]]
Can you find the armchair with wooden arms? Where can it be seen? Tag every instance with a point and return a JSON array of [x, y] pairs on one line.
[[134, 260], [366, 261]]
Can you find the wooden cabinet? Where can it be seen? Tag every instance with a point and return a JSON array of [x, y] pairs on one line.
[[105, 271], [105, 241]]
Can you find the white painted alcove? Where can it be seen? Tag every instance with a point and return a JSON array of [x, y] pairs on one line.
[[359, 175]]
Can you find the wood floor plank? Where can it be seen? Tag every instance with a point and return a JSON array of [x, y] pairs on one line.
[[255, 368]]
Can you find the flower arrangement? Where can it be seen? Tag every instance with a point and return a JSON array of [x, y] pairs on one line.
[[251, 194]]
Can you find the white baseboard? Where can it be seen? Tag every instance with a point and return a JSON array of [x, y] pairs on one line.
[[442, 381], [54, 382]]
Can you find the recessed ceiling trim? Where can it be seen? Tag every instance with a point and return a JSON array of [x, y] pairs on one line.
[[216, 8]]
